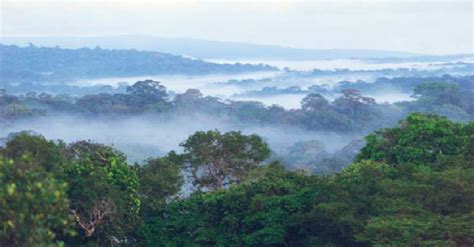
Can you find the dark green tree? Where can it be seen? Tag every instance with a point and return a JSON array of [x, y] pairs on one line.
[[161, 180], [419, 139], [103, 193], [33, 205], [257, 212]]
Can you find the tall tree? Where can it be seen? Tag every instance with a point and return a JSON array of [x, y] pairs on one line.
[[216, 160], [314, 102], [103, 192], [146, 93]]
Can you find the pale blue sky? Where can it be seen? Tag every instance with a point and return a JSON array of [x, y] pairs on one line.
[[438, 27]]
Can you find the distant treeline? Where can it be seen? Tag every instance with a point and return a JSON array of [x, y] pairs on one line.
[[47, 64], [379, 85], [350, 111]]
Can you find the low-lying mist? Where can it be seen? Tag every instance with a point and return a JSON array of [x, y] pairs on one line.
[[332, 64], [180, 83], [140, 137]]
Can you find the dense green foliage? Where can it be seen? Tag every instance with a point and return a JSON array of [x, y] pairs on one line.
[[103, 192], [422, 199], [254, 213], [160, 182], [33, 205], [421, 139], [52, 187], [411, 185]]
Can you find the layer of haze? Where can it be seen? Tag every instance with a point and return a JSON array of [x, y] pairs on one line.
[[435, 27], [145, 136]]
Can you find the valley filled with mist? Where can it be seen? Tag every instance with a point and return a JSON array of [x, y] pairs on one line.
[[236, 123], [334, 103]]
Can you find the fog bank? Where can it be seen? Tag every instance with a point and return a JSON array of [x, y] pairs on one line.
[[140, 137]]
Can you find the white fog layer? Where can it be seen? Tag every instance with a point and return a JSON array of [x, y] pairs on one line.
[[146, 136]]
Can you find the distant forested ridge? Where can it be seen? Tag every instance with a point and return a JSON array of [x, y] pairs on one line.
[[47, 64], [206, 49]]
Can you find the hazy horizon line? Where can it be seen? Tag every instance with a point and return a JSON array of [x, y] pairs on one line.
[[411, 53]]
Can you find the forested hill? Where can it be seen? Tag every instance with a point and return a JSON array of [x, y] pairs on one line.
[[206, 49], [40, 64]]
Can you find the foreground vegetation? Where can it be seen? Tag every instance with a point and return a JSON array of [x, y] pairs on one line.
[[411, 185]]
